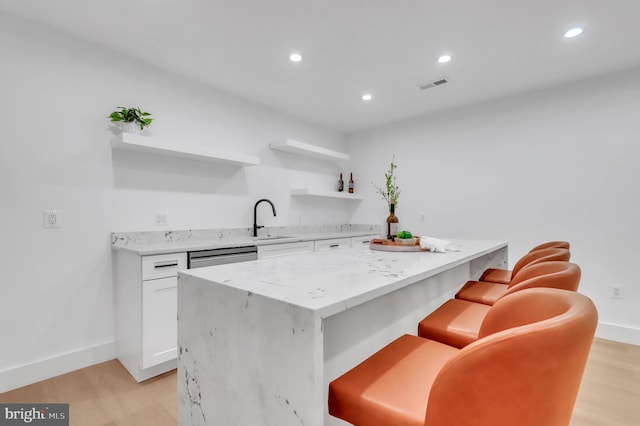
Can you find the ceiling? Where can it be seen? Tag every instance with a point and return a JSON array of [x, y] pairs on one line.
[[349, 47]]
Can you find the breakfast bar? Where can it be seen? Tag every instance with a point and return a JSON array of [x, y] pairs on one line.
[[260, 341]]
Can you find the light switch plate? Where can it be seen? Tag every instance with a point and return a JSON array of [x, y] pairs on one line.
[[617, 291], [51, 218], [161, 218]]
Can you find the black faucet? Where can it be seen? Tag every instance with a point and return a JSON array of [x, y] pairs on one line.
[[255, 208]]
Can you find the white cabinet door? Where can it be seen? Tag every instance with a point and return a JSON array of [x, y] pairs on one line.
[[286, 249], [159, 321], [335, 243]]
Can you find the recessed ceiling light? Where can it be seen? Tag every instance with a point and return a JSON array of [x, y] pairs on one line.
[[444, 59], [295, 57], [367, 97], [573, 32]]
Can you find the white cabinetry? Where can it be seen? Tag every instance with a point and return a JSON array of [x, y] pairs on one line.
[[284, 249], [332, 244], [146, 309]]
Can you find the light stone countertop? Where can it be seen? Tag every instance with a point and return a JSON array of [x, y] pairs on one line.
[[162, 242], [334, 281]]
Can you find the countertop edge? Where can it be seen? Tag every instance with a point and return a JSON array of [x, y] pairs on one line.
[[146, 249]]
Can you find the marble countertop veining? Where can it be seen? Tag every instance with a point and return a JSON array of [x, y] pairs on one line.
[[154, 242], [333, 281]]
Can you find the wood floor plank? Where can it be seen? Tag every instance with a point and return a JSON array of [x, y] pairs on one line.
[[610, 390], [106, 395]]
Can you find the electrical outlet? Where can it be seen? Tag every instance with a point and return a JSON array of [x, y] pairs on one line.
[[423, 217], [51, 218], [161, 218], [617, 292]]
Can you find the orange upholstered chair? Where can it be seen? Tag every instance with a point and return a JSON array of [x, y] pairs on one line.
[[505, 276], [557, 274], [457, 322], [525, 370]]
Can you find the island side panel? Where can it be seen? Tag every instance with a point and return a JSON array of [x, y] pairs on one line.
[[498, 259], [355, 334], [244, 359]]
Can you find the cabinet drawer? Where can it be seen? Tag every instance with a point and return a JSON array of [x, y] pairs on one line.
[[163, 265], [336, 243], [362, 241], [275, 250]]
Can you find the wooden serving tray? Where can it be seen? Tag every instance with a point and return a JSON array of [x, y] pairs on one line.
[[388, 245]]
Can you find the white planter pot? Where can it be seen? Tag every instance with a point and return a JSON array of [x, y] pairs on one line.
[[129, 127]]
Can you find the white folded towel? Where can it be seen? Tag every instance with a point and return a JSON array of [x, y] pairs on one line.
[[436, 244]]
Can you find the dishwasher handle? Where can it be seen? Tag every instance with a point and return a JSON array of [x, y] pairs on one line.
[[222, 252], [201, 262]]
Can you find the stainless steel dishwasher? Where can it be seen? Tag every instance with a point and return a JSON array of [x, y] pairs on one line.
[[222, 256]]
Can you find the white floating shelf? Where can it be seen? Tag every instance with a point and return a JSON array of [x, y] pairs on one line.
[[308, 150], [306, 192], [148, 144]]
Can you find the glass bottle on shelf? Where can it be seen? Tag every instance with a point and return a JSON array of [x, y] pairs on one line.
[[340, 184], [392, 222], [351, 183]]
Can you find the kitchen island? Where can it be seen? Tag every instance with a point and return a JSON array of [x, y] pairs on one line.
[[260, 341]]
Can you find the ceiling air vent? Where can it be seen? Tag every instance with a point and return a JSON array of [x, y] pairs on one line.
[[434, 83]]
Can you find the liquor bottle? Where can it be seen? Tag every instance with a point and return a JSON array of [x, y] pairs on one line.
[[351, 183], [392, 222], [340, 184]]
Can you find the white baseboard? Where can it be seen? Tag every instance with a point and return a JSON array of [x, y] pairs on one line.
[[37, 371], [618, 333]]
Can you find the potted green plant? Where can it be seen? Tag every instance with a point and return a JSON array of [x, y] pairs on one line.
[[392, 192], [134, 116]]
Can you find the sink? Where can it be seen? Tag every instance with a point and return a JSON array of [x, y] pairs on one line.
[[271, 237]]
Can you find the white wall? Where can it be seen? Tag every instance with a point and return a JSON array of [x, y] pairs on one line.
[[559, 164], [56, 92]]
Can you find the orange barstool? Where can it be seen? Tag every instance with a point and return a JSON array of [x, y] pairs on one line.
[[552, 244], [504, 276], [488, 293], [524, 370], [457, 322]]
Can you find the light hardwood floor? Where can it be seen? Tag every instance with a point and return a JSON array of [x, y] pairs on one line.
[[106, 395]]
